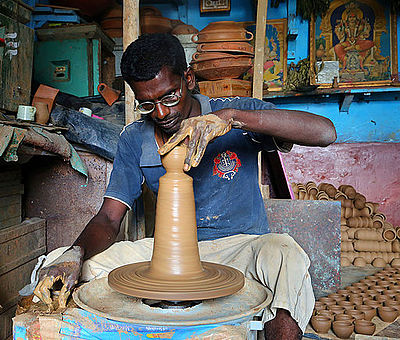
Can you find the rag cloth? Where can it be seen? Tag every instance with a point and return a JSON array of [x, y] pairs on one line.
[[274, 260], [12, 137]]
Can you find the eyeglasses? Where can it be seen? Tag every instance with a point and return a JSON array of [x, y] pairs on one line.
[[169, 100]]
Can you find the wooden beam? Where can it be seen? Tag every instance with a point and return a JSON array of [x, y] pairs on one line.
[[258, 75], [130, 33]]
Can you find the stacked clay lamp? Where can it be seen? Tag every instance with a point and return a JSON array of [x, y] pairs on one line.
[[223, 55], [358, 308], [175, 272], [366, 236]]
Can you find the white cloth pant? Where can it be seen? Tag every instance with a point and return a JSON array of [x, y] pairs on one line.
[[274, 260]]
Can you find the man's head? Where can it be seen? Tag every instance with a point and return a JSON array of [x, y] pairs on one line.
[[145, 57], [155, 67]]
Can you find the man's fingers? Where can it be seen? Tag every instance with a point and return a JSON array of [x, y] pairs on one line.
[[201, 148], [173, 141], [63, 297], [42, 291], [192, 149]]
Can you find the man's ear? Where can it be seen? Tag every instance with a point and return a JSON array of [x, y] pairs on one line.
[[190, 78]]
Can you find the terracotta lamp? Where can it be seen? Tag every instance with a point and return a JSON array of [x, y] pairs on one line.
[[175, 272]]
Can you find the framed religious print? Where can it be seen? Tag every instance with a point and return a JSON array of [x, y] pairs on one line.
[[275, 54], [214, 5], [361, 37]]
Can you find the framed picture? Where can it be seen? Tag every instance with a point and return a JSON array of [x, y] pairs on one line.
[[214, 5], [275, 54], [361, 36]]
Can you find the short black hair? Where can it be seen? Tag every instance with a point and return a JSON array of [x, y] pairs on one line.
[[147, 55]]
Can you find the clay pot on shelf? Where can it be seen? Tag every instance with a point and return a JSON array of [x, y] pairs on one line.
[[387, 314], [348, 190], [389, 235], [379, 262], [359, 201], [395, 263], [369, 311], [184, 29], [229, 46], [222, 68], [343, 329], [321, 324], [359, 262], [369, 234], [364, 327], [222, 31]]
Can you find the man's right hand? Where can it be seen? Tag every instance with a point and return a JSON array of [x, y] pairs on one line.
[[67, 269]]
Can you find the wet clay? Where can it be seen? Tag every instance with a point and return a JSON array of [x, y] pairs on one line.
[[175, 271]]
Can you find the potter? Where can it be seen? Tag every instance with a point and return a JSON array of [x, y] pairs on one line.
[[230, 215]]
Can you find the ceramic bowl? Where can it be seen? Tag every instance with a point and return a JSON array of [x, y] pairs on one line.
[[222, 68], [387, 314], [321, 324], [369, 311], [227, 46], [343, 329], [364, 327], [356, 314]]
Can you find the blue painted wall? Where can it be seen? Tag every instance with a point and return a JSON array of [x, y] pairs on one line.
[[374, 117]]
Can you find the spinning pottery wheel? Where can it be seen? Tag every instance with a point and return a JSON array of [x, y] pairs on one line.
[[175, 272]]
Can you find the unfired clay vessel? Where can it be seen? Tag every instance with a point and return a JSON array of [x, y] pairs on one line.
[[369, 312], [343, 329], [364, 327], [387, 314], [321, 324], [175, 272]]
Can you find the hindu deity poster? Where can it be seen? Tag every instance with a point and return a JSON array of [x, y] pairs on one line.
[[359, 35], [275, 54]]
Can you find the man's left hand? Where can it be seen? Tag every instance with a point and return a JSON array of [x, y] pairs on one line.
[[200, 130]]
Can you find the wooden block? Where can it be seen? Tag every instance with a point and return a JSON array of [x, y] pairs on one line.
[[11, 190], [225, 88], [6, 322], [10, 222], [22, 243], [10, 200], [10, 176], [10, 211], [12, 281]]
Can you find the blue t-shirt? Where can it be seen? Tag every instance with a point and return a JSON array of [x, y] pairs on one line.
[[227, 195]]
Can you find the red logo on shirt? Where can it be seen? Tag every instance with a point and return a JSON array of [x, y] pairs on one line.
[[226, 165]]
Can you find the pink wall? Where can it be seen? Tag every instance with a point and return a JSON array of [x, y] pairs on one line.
[[372, 168]]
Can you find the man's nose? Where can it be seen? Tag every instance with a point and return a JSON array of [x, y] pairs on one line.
[[160, 111]]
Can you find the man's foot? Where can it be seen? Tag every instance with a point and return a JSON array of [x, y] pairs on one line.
[[283, 326]]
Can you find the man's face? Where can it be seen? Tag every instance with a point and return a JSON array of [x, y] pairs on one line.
[[167, 118]]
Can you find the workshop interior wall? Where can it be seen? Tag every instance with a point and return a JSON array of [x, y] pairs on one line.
[[372, 168]]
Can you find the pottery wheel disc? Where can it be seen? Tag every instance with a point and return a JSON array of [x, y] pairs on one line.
[[216, 281]]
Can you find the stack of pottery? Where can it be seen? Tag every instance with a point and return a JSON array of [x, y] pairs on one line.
[[223, 51], [366, 236], [152, 21], [111, 22]]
